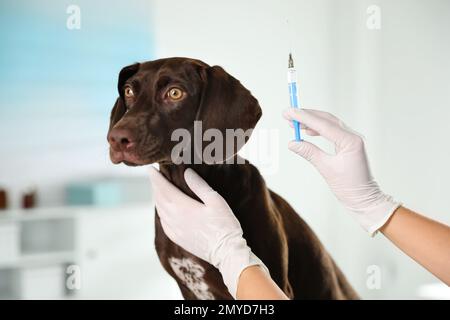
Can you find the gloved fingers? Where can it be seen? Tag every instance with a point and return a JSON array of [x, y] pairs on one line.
[[322, 114], [162, 188], [201, 188], [168, 230], [311, 132], [351, 130], [325, 115], [336, 120], [166, 210], [166, 193], [308, 131], [326, 127], [307, 150]]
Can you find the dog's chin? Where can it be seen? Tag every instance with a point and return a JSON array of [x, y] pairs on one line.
[[127, 158]]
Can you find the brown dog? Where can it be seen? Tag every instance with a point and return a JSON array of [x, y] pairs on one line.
[[161, 96]]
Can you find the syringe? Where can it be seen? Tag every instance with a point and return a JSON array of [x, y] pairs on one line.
[[292, 83]]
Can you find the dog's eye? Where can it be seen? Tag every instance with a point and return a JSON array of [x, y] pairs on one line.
[[129, 92], [175, 93]]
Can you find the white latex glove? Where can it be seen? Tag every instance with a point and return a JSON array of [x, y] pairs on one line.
[[347, 172], [208, 230]]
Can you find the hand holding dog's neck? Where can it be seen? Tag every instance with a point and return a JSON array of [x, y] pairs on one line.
[[175, 173]]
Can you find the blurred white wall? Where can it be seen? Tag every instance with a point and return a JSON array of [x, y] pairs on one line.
[[390, 84]]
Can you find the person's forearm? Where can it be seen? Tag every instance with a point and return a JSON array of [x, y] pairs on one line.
[[255, 284], [423, 239]]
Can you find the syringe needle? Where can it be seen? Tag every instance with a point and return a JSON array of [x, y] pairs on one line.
[[291, 61]]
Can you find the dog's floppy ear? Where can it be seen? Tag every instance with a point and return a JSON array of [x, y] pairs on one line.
[[125, 74], [227, 104], [119, 107]]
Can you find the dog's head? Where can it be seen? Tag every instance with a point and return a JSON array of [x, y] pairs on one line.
[[158, 97]]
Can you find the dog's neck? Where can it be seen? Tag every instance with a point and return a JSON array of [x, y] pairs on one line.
[[175, 174], [211, 173]]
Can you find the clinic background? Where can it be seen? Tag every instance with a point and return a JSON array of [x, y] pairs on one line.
[[59, 85]]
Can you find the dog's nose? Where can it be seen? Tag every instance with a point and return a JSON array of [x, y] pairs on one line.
[[120, 139]]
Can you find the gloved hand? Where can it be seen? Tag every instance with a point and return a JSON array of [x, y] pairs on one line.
[[347, 172], [208, 230]]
